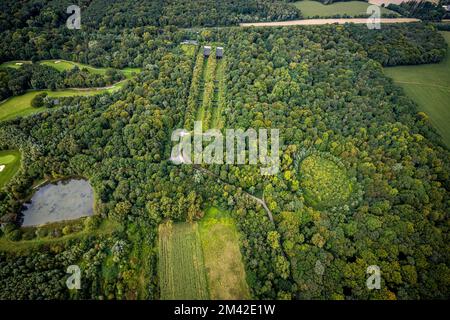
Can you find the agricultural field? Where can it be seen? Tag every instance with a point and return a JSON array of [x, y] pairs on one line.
[[181, 267], [311, 9], [223, 261], [429, 86], [325, 184], [202, 259], [9, 164]]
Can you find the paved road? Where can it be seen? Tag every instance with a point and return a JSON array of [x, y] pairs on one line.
[[305, 22]]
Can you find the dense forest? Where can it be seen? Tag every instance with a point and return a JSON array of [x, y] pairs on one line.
[[111, 13], [322, 86]]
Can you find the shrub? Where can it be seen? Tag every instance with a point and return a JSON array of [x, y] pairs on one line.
[[38, 100], [15, 235], [92, 223]]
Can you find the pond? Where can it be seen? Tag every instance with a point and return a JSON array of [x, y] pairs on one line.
[[63, 200]]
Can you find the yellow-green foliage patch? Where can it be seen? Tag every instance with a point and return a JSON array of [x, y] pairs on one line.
[[325, 184], [188, 49], [223, 260], [9, 164], [181, 267]]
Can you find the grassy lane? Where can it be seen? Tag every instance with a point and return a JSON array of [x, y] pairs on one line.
[[311, 9], [429, 86], [194, 92], [219, 95], [9, 164], [208, 93], [181, 267], [202, 87]]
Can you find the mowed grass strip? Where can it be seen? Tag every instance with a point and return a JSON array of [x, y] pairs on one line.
[[181, 267], [219, 95], [10, 162], [429, 86], [223, 260], [20, 106], [16, 64], [311, 9], [63, 65]]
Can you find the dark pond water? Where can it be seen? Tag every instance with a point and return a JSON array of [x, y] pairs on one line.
[[63, 200]]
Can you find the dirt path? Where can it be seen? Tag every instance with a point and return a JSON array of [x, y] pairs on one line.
[[305, 22], [260, 201]]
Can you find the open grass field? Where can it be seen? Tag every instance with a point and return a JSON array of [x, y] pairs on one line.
[[62, 65], [9, 164], [351, 8], [429, 86], [181, 268], [14, 64], [325, 184], [223, 260], [20, 106]]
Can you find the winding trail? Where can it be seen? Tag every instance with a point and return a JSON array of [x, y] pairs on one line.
[[262, 202]]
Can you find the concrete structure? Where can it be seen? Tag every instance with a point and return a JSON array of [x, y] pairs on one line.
[[219, 52], [193, 42], [206, 51]]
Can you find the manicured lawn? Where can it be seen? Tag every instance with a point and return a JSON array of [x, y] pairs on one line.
[[10, 159], [223, 260], [351, 8], [429, 86], [62, 65], [14, 64], [20, 106]]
